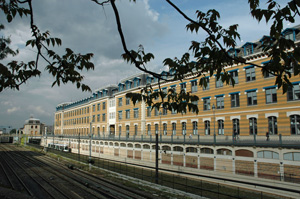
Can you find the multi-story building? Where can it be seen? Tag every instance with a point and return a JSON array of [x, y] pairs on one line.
[[250, 108], [33, 126], [254, 105]]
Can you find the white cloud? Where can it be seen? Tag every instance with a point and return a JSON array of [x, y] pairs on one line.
[[13, 110]]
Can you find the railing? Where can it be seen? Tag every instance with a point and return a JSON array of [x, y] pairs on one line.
[[222, 140]]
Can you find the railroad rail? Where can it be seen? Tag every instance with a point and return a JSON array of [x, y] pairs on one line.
[[42, 177]]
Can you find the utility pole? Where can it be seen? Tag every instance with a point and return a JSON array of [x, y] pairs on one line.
[[156, 154], [90, 147]]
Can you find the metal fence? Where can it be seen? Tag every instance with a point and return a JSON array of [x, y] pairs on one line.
[[173, 180]]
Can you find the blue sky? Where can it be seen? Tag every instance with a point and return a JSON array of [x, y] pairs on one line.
[[86, 27]]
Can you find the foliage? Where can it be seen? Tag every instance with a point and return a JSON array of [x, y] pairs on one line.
[[206, 57], [65, 68]]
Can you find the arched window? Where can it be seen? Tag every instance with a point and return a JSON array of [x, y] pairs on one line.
[[221, 127], [272, 125], [103, 130], [98, 131], [149, 129], [183, 128], [120, 130], [295, 124], [165, 128], [252, 125], [236, 126], [207, 127], [174, 128], [195, 128]]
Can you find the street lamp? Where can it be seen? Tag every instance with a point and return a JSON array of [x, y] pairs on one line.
[[213, 108]]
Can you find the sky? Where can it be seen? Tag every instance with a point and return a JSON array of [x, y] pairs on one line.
[[86, 27]]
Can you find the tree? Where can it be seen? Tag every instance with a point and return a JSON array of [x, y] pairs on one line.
[[209, 56]]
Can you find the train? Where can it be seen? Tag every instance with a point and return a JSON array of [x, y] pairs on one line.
[[59, 147]]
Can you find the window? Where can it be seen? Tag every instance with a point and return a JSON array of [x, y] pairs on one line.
[[252, 125], [220, 102], [248, 50], [207, 84], [103, 117], [271, 95], [195, 128], [207, 127], [289, 35], [194, 86], [127, 114], [183, 128], [120, 102], [293, 93], [235, 100], [137, 82], [149, 111], [165, 111], [94, 108], [112, 103], [293, 156], [174, 128], [221, 127], [128, 85], [136, 113], [164, 92], [250, 74], [235, 76], [120, 130], [236, 126], [135, 129], [295, 124], [103, 106], [156, 128], [272, 125], [149, 129], [127, 100], [268, 74], [219, 82], [127, 130], [98, 131], [174, 111], [251, 97], [120, 115], [98, 118], [156, 113], [98, 107], [103, 130], [93, 118], [183, 87], [268, 154], [165, 128], [196, 104], [206, 104]]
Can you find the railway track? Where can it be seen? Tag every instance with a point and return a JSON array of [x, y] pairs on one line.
[[50, 179]]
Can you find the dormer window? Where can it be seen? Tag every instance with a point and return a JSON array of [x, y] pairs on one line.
[[248, 48], [128, 84], [121, 87], [149, 80], [290, 33], [232, 52], [137, 82]]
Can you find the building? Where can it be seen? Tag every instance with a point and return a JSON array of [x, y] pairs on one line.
[[33, 126], [253, 106]]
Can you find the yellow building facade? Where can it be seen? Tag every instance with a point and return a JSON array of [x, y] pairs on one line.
[[253, 106]]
